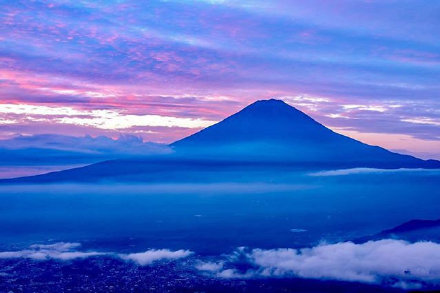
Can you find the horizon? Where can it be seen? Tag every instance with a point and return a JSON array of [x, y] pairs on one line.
[[114, 68]]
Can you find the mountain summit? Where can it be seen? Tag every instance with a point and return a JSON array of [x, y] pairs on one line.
[[265, 121], [267, 138]]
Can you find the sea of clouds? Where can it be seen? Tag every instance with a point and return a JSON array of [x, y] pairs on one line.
[[392, 262]]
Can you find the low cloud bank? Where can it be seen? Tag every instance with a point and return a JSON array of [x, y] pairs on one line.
[[342, 172], [393, 262], [368, 262], [210, 266], [69, 251], [150, 256], [59, 251], [389, 262]]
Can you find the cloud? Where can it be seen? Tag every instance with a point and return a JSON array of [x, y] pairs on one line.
[[210, 266], [371, 262], [102, 119], [7, 121], [65, 251], [124, 144], [58, 152], [390, 262], [422, 120], [297, 230], [150, 256], [58, 251], [354, 171], [374, 108]]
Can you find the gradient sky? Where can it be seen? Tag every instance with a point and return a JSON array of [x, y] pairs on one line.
[[164, 69]]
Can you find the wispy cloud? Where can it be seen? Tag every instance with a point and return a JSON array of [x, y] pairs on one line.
[[65, 251], [103, 119], [353, 171], [423, 120], [59, 251], [150, 256]]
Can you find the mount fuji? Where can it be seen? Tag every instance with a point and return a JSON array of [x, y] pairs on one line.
[[268, 137]]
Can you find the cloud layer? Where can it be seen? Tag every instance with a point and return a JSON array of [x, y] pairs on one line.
[[368, 262], [354, 171], [150, 256], [388, 262], [37, 154], [59, 251], [69, 251], [392, 262]]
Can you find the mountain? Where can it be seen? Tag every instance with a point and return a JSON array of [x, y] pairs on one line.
[[268, 137], [275, 131]]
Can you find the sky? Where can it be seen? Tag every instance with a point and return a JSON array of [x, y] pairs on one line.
[[163, 69]]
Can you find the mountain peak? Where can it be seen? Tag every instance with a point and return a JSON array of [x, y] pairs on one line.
[[263, 122], [274, 130], [271, 102], [271, 105], [268, 115]]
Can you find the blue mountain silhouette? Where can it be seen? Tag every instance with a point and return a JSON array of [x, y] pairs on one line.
[[266, 137], [275, 131]]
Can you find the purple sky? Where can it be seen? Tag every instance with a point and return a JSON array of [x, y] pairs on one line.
[[164, 69]]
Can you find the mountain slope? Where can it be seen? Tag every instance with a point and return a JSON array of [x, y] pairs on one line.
[[414, 231]]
